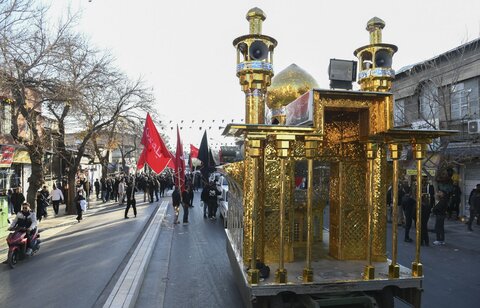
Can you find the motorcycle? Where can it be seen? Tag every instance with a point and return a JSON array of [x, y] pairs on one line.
[[17, 245]]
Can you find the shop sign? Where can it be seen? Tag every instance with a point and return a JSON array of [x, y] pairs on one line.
[[6, 155], [432, 172]]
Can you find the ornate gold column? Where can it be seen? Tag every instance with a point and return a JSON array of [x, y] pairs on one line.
[[254, 151], [310, 147], [394, 268], [283, 150], [369, 272], [419, 154]]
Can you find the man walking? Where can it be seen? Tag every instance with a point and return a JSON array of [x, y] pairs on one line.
[[408, 204], [131, 202], [97, 187], [474, 201], [439, 210], [56, 196]]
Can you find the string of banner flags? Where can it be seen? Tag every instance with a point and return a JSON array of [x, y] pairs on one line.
[[197, 124], [158, 157]]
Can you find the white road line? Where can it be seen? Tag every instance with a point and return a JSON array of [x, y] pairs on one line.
[[125, 292]]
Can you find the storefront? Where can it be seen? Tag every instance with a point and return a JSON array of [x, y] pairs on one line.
[[15, 168]]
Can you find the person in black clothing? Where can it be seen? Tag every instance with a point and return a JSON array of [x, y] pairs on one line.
[[131, 190], [212, 193], [176, 200], [185, 204], [78, 199], [204, 198], [97, 187], [190, 195], [42, 203], [474, 202], [454, 204], [426, 210], [439, 211], [408, 205], [17, 200]]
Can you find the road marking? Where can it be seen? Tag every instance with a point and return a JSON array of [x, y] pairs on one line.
[[126, 290]]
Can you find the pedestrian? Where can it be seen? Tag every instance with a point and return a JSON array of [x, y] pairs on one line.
[[17, 200], [185, 204], [176, 200], [151, 188], [97, 187], [426, 211], [103, 187], [131, 202], [11, 209], [56, 196], [42, 203], [121, 191], [156, 188], [78, 203], [190, 195], [212, 200], [439, 210], [474, 202], [408, 205], [454, 204], [204, 199]]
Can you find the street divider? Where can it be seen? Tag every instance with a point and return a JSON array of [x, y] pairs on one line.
[[127, 287]]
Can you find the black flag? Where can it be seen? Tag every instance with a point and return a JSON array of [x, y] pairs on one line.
[[204, 154]]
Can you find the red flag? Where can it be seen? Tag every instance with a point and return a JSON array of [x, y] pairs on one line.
[[193, 151], [179, 164], [154, 153]]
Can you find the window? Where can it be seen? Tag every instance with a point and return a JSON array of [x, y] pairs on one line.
[[428, 102], [459, 101], [399, 112]]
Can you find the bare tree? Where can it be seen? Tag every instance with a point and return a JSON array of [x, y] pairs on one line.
[[100, 109], [28, 52]]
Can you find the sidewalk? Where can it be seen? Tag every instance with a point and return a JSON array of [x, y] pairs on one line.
[[54, 224]]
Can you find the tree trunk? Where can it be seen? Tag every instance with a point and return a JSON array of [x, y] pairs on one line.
[[70, 203], [36, 179]]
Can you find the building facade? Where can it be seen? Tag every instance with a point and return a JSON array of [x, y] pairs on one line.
[[443, 93]]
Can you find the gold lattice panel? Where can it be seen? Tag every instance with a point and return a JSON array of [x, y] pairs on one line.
[[272, 180], [353, 210], [379, 205]]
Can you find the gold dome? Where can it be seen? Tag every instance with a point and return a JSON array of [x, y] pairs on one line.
[[288, 85]]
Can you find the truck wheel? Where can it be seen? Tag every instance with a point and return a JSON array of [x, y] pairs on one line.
[[12, 258]]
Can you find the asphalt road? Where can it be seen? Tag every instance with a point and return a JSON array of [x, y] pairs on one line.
[[74, 267], [451, 271], [198, 273]]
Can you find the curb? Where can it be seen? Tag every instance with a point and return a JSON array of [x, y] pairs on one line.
[[127, 288]]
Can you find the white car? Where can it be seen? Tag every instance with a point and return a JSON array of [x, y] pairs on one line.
[[222, 185]]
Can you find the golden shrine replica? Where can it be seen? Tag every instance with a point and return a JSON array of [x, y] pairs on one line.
[[338, 141]]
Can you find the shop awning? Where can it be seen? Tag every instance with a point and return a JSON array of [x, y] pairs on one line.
[[10, 154]]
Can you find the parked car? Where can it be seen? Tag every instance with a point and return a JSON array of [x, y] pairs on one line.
[[222, 185]]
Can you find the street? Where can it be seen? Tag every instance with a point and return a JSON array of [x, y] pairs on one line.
[[189, 267], [72, 268]]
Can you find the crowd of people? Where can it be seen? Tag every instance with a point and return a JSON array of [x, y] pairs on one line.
[[441, 205]]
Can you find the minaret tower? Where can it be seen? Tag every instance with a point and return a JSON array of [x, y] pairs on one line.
[[376, 73], [254, 66]]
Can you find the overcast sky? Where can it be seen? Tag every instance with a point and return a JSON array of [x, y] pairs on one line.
[[183, 49]]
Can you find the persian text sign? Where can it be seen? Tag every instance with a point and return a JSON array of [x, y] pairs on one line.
[[6, 158]]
